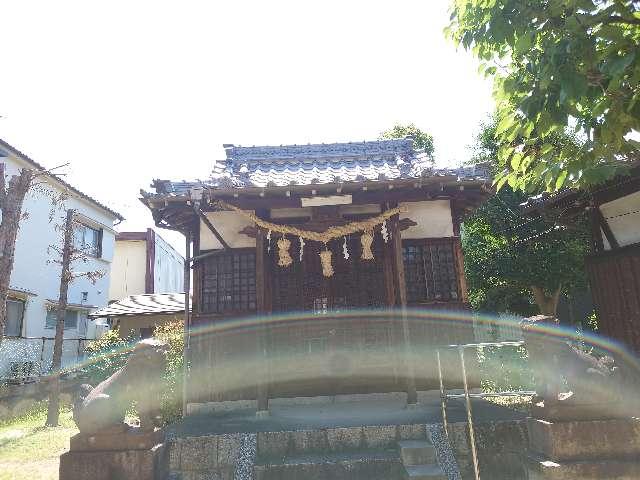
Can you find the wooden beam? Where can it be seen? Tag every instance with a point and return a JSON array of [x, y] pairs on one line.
[[210, 226], [187, 321], [404, 194], [462, 279], [611, 238], [149, 274], [618, 188], [401, 298], [597, 243], [387, 268], [196, 301], [261, 334]]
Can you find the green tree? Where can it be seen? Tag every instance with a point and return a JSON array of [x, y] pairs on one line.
[[558, 65], [513, 262], [421, 140]]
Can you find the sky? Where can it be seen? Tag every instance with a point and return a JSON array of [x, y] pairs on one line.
[[129, 91]]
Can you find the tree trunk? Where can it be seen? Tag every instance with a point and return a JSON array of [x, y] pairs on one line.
[[11, 200], [548, 305], [53, 411]]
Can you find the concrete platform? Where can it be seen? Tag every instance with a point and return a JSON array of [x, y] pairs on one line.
[[350, 436], [341, 414]]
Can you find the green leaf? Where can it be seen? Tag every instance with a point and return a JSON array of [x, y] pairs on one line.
[[616, 66], [561, 179], [500, 183], [515, 161], [545, 148]]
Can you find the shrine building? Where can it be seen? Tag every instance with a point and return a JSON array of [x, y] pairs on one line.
[[307, 261]]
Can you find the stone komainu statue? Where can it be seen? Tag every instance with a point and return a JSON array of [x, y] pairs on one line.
[[102, 409], [568, 378]]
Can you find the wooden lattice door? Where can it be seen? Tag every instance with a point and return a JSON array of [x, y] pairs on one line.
[[355, 283], [320, 350]]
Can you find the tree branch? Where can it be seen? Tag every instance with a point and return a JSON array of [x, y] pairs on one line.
[[619, 19]]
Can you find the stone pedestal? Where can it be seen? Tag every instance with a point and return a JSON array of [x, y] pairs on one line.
[[584, 449], [129, 455]]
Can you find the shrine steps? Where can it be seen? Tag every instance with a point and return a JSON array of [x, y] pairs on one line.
[[365, 465], [419, 460]]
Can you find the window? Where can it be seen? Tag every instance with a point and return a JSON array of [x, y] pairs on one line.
[[88, 240], [15, 313], [70, 319], [229, 282], [430, 271]]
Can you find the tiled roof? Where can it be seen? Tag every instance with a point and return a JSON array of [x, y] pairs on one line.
[[311, 164], [5, 146], [319, 163], [148, 304]]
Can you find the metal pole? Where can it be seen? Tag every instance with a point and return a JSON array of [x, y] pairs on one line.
[[472, 436], [443, 396]]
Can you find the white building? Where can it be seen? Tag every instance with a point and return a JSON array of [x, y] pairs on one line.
[[35, 279], [144, 263], [147, 281]]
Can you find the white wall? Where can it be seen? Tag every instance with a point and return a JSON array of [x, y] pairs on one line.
[[169, 268], [433, 218], [128, 269], [228, 225], [34, 270], [623, 217]]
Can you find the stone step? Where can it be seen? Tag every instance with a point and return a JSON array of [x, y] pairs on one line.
[[417, 452], [358, 465], [424, 472]]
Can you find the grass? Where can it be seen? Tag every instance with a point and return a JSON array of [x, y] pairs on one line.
[[28, 450]]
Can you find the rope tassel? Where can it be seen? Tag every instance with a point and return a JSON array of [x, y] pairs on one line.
[[325, 260], [366, 240], [283, 252]]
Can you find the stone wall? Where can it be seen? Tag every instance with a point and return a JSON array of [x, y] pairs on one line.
[[501, 448], [16, 400]]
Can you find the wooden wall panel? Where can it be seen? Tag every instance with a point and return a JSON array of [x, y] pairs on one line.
[[615, 284], [324, 356]]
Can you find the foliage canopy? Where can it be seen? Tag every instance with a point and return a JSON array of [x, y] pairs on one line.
[[558, 65], [421, 140], [510, 258]]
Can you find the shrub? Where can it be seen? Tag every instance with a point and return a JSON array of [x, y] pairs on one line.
[[173, 334], [505, 369], [106, 355], [110, 352]]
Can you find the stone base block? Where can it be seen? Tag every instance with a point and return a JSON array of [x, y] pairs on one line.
[[132, 439], [593, 440], [571, 411], [540, 469], [113, 465]]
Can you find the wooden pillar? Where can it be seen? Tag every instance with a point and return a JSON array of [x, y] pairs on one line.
[[261, 331], [187, 320], [401, 297], [462, 279], [597, 244]]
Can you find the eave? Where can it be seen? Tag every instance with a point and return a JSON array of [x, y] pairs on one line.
[[176, 211]]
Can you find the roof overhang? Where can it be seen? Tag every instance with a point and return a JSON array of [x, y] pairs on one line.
[[175, 210]]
